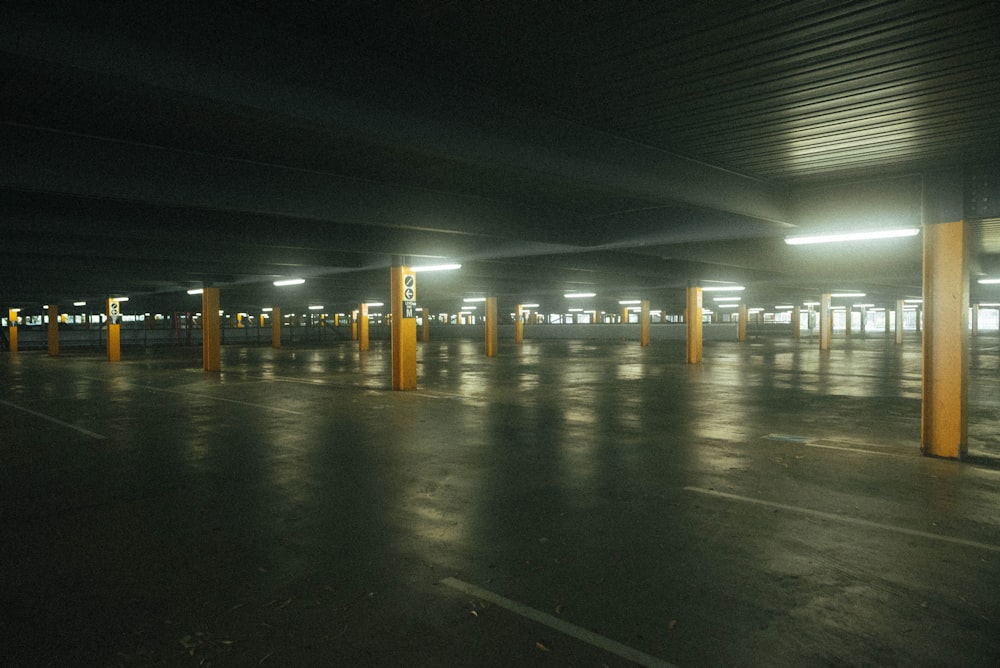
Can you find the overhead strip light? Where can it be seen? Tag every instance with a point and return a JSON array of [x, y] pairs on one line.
[[437, 267], [988, 281], [852, 236], [471, 300], [579, 295], [79, 303], [722, 288], [848, 294], [290, 281], [529, 305], [196, 291], [629, 302]]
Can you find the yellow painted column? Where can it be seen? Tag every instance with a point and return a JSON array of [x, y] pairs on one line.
[[491, 326], [211, 330], [644, 322], [796, 322], [12, 329], [694, 333], [403, 294], [53, 330], [944, 423], [519, 325], [362, 327], [425, 329], [114, 330], [625, 315], [276, 327], [825, 321], [743, 313]]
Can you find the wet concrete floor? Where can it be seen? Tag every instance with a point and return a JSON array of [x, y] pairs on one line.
[[768, 507]]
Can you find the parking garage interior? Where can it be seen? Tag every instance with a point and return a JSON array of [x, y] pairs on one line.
[[706, 376]]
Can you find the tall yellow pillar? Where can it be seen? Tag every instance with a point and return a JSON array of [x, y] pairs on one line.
[[519, 325], [899, 321], [693, 315], [796, 322], [944, 421], [276, 327], [425, 329], [114, 314], [403, 294], [644, 322], [625, 315], [53, 330], [491, 326], [362, 327], [741, 323], [825, 321], [211, 330], [12, 329]]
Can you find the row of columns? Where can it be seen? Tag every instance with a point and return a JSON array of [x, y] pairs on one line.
[[944, 413]]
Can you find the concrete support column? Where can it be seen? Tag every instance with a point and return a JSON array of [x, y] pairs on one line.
[[425, 329], [888, 310], [899, 321], [694, 333], [114, 331], [825, 321], [491, 326], [796, 322], [519, 325], [53, 330], [944, 416], [975, 320], [848, 318], [12, 329], [362, 327], [276, 327], [741, 323], [354, 325], [210, 330], [402, 294], [644, 323]]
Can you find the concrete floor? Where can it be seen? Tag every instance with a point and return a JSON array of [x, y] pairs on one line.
[[766, 508]]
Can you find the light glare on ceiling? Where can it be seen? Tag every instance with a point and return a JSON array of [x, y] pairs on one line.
[[290, 281], [852, 236]]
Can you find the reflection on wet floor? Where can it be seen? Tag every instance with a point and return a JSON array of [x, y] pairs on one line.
[[295, 507]]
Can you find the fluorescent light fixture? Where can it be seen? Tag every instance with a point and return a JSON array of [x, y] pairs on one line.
[[576, 310], [913, 301], [853, 236], [722, 288], [756, 310], [437, 267], [120, 299], [988, 281], [290, 281], [863, 305], [196, 291], [529, 305], [469, 308], [374, 304], [848, 294], [627, 302], [79, 303], [470, 300], [989, 305], [579, 295], [810, 303], [784, 307], [267, 309], [15, 310], [727, 306], [315, 308], [726, 299]]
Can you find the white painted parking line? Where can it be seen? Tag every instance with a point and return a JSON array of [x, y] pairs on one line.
[[845, 519], [559, 625], [187, 393], [53, 420]]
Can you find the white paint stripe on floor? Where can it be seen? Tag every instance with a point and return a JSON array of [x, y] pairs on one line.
[[49, 418], [858, 450], [559, 625], [844, 519], [209, 396]]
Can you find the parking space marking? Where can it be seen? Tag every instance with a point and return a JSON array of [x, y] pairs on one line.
[[53, 420]]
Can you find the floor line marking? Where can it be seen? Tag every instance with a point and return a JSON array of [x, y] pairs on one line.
[[858, 450], [209, 396], [845, 520], [559, 625], [204, 396], [49, 418]]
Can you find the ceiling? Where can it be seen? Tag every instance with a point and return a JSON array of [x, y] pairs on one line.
[[620, 148]]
